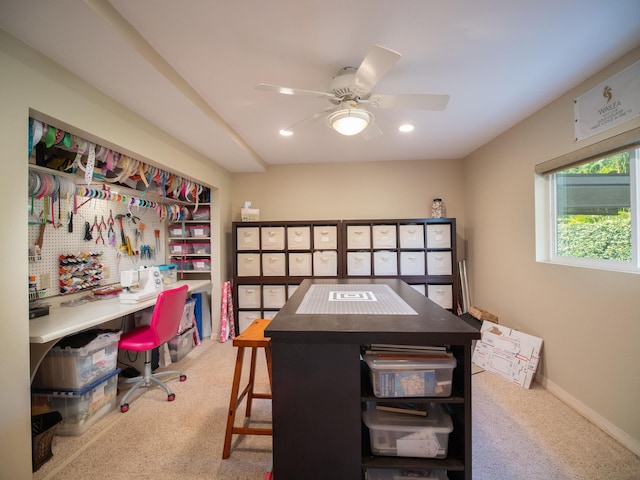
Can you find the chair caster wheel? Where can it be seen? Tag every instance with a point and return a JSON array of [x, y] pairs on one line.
[[183, 378], [124, 408], [171, 397]]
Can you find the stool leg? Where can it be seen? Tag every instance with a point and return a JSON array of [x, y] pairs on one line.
[[233, 403], [252, 378]]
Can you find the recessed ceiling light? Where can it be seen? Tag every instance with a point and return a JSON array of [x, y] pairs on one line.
[[407, 127], [285, 133]]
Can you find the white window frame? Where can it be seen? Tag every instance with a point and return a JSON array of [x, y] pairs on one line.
[[545, 204]]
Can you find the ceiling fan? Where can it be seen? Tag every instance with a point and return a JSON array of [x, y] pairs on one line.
[[351, 89]]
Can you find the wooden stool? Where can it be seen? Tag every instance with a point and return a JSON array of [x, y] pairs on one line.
[[252, 337]]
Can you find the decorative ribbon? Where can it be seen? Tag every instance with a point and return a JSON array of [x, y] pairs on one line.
[[227, 324]]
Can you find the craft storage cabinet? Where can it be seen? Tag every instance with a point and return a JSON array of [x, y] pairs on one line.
[[272, 258], [189, 241], [419, 251]]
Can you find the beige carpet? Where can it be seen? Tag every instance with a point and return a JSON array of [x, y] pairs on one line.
[[518, 434]]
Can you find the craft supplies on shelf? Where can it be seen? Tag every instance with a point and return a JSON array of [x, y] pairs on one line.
[[90, 162], [79, 272]]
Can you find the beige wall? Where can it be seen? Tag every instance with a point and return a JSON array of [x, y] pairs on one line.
[[28, 80], [372, 190], [589, 319]]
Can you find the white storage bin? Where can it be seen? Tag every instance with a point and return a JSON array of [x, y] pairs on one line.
[[439, 235], [359, 264], [384, 236], [402, 435], [249, 296], [325, 263], [419, 287], [411, 263], [299, 238], [300, 264], [358, 236], [246, 318], [273, 264], [272, 238], [325, 237], [269, 315], [78, 360], [248, 238], [411, 377], [80, 409], [248, 264], [411, 236], [441, 294], [406, 474], [273, 296], [385, 263], [439, 263], [291, 290]]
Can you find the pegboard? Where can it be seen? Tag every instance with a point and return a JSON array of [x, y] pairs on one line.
[[57, 240]]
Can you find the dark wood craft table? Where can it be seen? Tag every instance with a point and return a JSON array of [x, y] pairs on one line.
[[320, 383]]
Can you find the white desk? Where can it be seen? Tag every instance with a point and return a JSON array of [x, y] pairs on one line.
[[45, 331]]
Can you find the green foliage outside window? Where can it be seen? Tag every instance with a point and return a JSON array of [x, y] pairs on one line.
[[606, 237], [618, 163]]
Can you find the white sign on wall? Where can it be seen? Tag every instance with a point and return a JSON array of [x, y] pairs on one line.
[[611, 103]]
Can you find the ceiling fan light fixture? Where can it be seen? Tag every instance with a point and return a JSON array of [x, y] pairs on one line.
[[350, 121]]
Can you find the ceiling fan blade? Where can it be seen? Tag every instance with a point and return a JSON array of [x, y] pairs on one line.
[[409, 101], [308, 120], [372, 131], [293, 91], [374, 66]]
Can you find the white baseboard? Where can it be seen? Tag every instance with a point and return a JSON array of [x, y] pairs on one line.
[[609, 428]]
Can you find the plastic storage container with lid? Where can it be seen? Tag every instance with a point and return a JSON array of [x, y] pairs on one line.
[[180, 248], [80, 409], [169, 273], [201, 214], [181, 345], [201, 248], [78, 360], [402, 435], [406, 474], [411, 376], [176, 231], [199, 231]]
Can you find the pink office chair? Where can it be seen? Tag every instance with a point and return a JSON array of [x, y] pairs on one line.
[[165, 321]]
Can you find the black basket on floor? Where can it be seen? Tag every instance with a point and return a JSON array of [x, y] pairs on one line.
[[43, 428]]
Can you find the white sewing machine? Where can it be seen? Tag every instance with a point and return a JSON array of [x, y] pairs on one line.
[[140, 284]]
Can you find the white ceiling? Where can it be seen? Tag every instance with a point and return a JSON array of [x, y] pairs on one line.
[[191, 67]]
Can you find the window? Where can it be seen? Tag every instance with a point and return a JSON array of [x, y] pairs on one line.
[[587, 210]]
